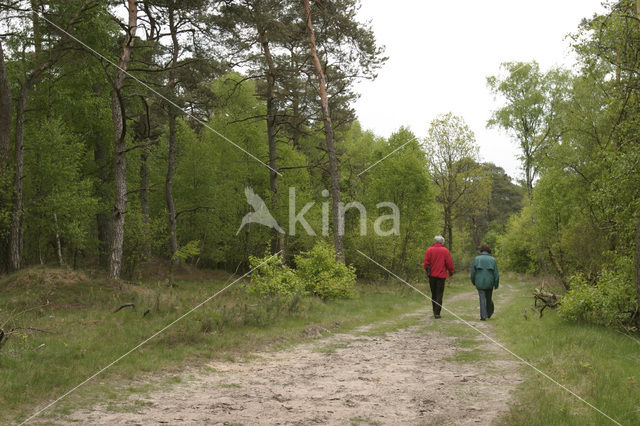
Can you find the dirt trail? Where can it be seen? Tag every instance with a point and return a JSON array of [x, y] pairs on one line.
[[402, 377]]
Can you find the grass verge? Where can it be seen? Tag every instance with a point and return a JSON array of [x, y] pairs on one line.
[[599, 364]]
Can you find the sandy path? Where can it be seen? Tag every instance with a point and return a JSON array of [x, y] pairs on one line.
[[402, 377]]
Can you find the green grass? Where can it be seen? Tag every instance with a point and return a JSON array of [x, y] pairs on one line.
[[599, 364], [84, 334], [331, 348], [470, 355]]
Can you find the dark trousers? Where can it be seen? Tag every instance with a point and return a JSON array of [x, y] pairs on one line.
[[437, 291], [486, 304]]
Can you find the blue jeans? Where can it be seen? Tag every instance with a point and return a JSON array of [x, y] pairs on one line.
[[486, 304]]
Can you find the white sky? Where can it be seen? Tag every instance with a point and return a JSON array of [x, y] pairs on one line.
[[441, 51]]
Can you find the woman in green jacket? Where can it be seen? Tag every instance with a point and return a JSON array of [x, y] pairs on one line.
[[484, 275]]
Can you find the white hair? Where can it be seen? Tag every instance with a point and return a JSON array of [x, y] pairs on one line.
[[439, 239]]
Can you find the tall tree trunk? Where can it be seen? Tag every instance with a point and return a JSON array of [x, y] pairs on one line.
[[296, 119], [58, 245], [37, 37], [295, 107], [168, 187], [5, 115], [120, 149], [15, 245], [528, 177], [558, 268], [144, 195], [102, 216], [271, 118], [120, 183], [448, 228], [5, 149], [638, 13], [328, 130], [39, 240]]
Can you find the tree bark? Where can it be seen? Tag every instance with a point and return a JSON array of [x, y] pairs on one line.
[[119, 159], [271, 118], [528, 175], [5, 152], [328, 130], [448, 228], [37, 37], [102, 216], [144, 195], [58, 245], [5, 115], [638, 13], [15, 245], [120, 183], [296, 120], [168, 187]]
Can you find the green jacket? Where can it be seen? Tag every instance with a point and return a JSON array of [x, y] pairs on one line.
[[484, 272]]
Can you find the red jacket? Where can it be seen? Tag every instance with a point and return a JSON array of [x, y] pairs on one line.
[[439, 259]]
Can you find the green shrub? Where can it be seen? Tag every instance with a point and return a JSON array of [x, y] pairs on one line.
[[324, 276], [191, 249], [272, 278], [517, 246], [611, 301]]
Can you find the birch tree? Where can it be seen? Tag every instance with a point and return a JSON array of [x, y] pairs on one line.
[[452, 153]]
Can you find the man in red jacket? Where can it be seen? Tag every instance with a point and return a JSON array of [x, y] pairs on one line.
[[437, 261]]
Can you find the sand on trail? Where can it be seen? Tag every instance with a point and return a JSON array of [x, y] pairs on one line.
[[402, 377]]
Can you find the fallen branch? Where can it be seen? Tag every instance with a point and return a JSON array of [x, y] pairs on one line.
[[32, 329], [546, 299], [126, 305], [4, 335]]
